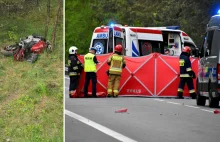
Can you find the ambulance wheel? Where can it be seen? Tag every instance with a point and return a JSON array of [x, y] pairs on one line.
[[200, 100], [213, 102]]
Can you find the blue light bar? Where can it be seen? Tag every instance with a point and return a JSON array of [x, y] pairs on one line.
[[112, 24], [173, 27], [218, 12]]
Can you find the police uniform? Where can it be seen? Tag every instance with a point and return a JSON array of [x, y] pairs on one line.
[[186, 75], [74, 70], [116, 63], [90, 62]]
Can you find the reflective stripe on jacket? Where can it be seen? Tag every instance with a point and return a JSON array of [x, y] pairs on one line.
[[116, 64], [185, 65], [74, 65]]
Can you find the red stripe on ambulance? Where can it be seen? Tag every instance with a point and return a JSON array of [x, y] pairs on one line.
[[101, 30], [184, 34], [151, 31], [118, 29]]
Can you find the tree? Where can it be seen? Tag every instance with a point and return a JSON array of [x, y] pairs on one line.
[[55, 24], [48, 18]]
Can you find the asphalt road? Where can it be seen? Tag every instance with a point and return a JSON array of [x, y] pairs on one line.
[[146, 120]]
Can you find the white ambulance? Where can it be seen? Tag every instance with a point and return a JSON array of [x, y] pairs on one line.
[[140, 41]]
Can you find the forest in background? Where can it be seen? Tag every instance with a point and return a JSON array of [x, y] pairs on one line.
[[31, 95], [83, 16]]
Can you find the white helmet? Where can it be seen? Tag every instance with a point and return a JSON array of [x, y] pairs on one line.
[[73, 50]]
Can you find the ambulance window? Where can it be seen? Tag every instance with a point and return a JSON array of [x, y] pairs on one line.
[[209, 42], [202, 50], [215, 42], [101, 45], [214, 21], [118, 40], [148, 47]]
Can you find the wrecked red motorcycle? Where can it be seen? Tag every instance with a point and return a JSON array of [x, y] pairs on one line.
[[27, 49]]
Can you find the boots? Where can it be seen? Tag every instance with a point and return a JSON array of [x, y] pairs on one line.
[[193, 95], [180, 95]]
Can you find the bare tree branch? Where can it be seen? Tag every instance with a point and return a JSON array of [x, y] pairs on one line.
[[55, 25], [48, 18]]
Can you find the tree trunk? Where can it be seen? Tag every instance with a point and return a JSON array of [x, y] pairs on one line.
[[55, 24], [37, 3], [48, 18]]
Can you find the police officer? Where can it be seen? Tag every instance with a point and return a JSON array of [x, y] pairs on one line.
[[90, 62], [186, 73], [116, 63], [74, 69]]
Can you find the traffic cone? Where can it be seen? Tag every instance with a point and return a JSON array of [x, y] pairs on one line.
[[121, 110], [216, 111]]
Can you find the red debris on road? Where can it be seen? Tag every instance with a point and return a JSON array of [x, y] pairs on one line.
[[216, 112], [121, 110]]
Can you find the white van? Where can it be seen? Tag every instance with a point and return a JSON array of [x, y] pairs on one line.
[[140, 41]]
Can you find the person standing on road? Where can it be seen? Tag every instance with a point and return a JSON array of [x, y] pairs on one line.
[[90, 62], [74, 70], [186, 73], [116, 63]]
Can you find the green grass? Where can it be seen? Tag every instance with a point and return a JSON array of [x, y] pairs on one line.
[[31, 95], [32, 99]]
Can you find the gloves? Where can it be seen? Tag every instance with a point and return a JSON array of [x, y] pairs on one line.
[[192, 74], [75, 68], [124, 65], [107, 72]]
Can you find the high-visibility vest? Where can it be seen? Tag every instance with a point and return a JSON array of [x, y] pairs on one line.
[[116, 64], [89, 64], [74, 66]]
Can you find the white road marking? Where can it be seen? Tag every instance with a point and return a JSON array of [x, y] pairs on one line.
[[184, 105], [207, 110], [99, 127], [174, 103], [159, 100], [191, 106]]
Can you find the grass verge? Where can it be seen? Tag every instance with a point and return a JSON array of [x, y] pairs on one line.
[[31, 100]]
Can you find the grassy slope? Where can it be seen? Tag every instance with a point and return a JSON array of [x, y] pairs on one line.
[[31, 95]]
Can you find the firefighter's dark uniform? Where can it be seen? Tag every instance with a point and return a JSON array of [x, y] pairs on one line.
[[90, 62], [74, 69], [186, 75], [116, 62]]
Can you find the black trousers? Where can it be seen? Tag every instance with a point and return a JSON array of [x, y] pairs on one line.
[[74, 82], [189, 82], [90, 76]]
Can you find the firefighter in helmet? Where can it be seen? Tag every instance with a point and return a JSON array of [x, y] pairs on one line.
[[116, 63], [74, 70], [186, 73], [90, 62]]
